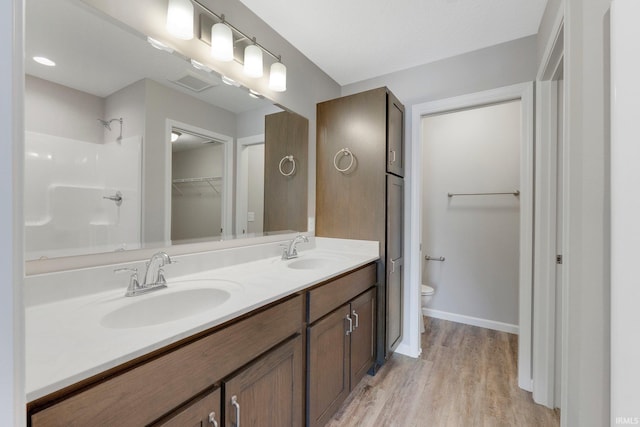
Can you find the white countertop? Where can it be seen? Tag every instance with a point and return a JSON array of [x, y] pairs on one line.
[[66, 341]]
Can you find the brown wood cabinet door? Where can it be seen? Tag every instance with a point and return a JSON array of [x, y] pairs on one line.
[[204, 412], [285, 197], [269, 391], [328, 367], [363, 311], [395, 136], [350, 204], [394, 261]]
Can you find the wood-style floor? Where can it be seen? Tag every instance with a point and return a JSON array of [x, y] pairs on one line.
[[466, 376]]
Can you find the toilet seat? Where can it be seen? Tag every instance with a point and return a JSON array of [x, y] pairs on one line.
[[426, 290]]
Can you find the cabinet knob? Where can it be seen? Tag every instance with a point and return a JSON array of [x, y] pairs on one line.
[[212, 419], [235, 404]]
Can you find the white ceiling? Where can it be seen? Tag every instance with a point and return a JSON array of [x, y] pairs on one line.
[[353, 40]]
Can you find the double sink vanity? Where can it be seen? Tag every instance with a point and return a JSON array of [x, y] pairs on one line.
[[237, 334]]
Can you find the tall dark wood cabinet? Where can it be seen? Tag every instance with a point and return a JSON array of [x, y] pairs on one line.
[[285, 182], [359, 192]]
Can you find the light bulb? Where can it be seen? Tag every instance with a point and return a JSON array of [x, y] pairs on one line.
[[278, 77], [221, 42], [253, 61], [180, 19]]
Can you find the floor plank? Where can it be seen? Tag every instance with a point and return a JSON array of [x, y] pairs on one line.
[[466, 376]]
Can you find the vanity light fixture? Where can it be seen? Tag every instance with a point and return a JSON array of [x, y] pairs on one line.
[[44, 61], [159, 45], [221, 42], [223, 37], [175, 135], [253, 60], [180, 19], [278, 77]]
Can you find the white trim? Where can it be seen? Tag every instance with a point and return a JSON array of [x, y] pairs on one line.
[[242, 175], [470, 320], [12, 352], [544, 313], [227, 175], [524, 92], [553, 51]]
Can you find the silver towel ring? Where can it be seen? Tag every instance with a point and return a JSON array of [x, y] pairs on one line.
[[293, 165], [344, 152]]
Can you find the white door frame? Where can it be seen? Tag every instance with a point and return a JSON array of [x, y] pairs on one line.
[[523, 92], [242, 177], [227, 175], [544, 304]]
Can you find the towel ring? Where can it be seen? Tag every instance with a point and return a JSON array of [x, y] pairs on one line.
[[293, 165], [344, 152]]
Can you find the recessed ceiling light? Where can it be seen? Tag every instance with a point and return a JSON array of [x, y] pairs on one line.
[[44, 61], [159, 45], [200, 66], [230, 82]]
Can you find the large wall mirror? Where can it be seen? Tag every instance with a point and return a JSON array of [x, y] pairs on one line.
[[129, 147]]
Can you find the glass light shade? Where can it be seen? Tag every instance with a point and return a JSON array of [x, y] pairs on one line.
[[278, 77], [180, 19], [221, 42], [253, 61]]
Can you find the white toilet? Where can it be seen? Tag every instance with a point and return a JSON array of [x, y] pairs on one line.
[[426, 293]]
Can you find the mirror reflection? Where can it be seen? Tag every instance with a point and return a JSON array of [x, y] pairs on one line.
[[102, 171]]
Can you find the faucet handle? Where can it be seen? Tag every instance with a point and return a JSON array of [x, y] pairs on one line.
[[133, 279]]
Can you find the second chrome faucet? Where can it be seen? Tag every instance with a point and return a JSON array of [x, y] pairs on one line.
[[290, 250]]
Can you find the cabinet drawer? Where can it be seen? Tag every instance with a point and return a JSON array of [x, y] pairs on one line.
[[140, 395], [326, 298]]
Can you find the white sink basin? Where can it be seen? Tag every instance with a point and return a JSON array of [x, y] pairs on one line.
[[165, 305], [310, 263]]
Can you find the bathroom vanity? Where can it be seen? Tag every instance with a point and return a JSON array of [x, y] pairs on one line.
[[286, 326]]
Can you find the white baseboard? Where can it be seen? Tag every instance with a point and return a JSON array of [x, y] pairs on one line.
[[474, 321]]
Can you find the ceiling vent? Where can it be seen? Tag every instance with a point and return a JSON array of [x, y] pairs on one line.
[[193, 82]]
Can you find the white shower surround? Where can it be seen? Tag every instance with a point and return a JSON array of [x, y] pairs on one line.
[[65, 182]]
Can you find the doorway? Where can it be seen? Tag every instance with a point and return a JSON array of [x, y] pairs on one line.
[[198, 184], [470, 214], [524, 93]]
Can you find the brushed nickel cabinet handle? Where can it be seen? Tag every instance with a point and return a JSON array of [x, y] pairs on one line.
[[212, 419], [350, 330], [394, 156], [235, 404], [357, 317]]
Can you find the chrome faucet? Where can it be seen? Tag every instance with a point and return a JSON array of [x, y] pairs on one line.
[[153, 277], [290, 250], [155, 274]]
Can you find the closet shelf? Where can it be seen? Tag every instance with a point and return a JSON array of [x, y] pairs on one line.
[[208, 179]]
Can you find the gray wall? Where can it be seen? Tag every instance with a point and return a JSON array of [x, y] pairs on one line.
[[58, 110], [496, 66]]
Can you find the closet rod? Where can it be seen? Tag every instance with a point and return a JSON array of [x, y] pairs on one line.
[[514, 193]]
